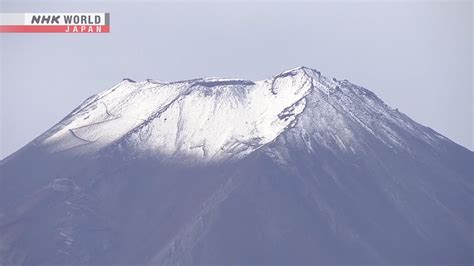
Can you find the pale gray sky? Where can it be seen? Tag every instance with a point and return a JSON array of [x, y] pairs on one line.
[[416, 56]]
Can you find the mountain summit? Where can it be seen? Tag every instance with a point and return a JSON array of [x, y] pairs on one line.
[[209, 119], [295, 169]]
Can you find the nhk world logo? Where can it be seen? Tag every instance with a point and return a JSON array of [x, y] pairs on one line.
[[55, 22]]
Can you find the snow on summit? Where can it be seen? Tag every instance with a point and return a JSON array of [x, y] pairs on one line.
[[210, 118]]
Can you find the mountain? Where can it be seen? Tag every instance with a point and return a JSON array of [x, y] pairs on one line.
[[297, 169]]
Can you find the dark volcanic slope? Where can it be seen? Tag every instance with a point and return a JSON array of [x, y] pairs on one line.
[[326, 174]]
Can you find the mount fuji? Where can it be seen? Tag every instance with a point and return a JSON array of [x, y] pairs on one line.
[[297, 169]]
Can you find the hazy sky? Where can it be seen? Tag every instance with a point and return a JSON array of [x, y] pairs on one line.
[[416, 56]]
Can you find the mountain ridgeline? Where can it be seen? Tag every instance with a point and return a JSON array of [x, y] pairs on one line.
[[297, 169]]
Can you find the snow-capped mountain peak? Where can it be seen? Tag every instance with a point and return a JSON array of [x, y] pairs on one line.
[[212, 119], [295, 169], [209, 118]]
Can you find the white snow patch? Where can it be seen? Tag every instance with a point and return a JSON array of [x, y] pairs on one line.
[[210, 118]]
